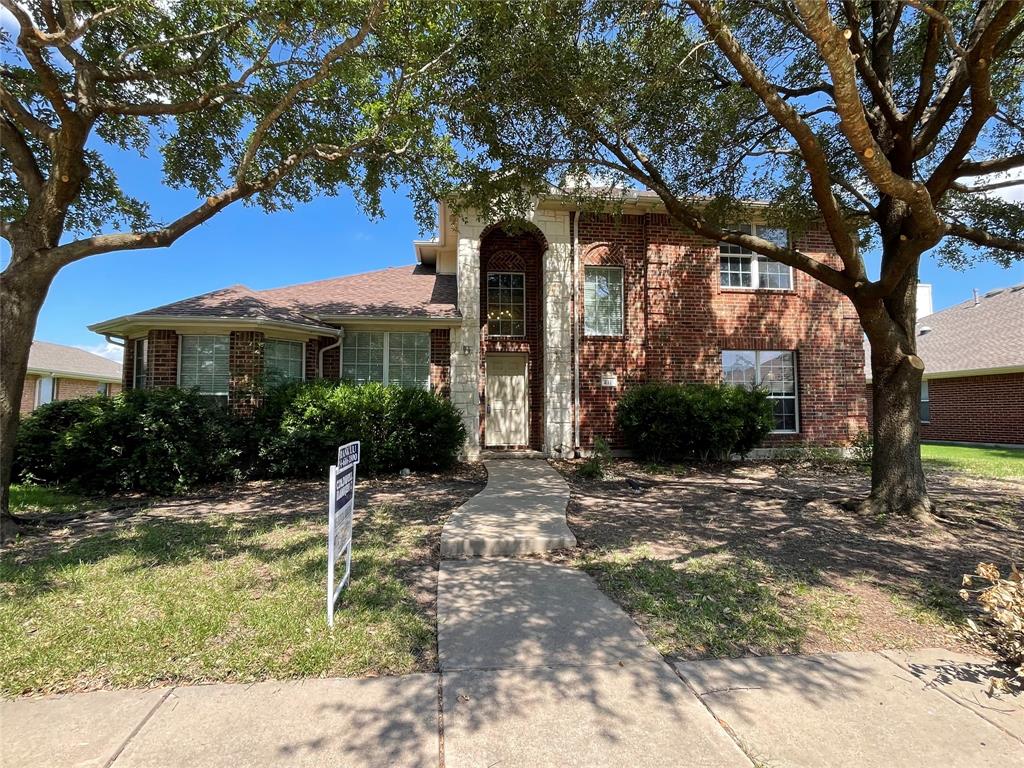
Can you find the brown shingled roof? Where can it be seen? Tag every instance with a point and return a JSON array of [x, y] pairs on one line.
[[972, 337], [235, 301], [412, 291]]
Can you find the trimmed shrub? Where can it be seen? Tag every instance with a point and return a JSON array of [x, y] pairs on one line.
[[300, 426], [154, 440], [670, 422]]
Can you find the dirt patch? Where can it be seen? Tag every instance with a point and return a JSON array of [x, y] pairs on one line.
[[858, 585]]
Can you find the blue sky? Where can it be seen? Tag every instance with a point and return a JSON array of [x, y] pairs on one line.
[[327, 238]]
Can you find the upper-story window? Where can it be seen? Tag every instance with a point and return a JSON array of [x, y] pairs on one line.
[[203, 364], [740, 267], [506, 304], [602, 301], [773, 371], [283, 361], [140, 363]]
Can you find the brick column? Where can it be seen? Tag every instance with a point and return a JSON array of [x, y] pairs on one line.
[[245, 366], [163, 359]]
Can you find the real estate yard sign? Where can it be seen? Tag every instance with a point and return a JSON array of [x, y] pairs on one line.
[[342, 496]]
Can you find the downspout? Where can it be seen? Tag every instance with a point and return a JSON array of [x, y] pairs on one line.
[[110, 340], [320, 355], [576, 331]]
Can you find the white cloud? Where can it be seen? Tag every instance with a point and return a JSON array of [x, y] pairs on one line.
[[106, 349]]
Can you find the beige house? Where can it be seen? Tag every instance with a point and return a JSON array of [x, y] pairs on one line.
[[58, 372]]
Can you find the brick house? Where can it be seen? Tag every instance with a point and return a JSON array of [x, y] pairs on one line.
[[533, 329], [57, 372], [973, 386]]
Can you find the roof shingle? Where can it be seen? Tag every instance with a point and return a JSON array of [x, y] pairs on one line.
[[46, 357]]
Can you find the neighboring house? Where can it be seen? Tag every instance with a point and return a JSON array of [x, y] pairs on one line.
[[57, 372], [973, 353], [534, 330]]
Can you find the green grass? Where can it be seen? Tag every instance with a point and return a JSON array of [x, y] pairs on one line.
[[1007, 463], [216, 598], [35, 499], [719, 606]]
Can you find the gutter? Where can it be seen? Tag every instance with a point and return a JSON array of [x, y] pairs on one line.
[[576, 332], [320, 355]]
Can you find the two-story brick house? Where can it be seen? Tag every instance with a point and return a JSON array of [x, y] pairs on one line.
[[533, 329]]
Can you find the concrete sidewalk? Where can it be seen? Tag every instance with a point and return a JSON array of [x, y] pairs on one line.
[[520, 511]]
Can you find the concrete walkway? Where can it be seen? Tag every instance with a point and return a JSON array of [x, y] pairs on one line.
[[520, 511], [539, 668]]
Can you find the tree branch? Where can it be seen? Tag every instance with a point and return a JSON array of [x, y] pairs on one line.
[[814, 156], [341, 49], [995, 165], [22, 159], [983, 238], [20, 115], [27, 42]]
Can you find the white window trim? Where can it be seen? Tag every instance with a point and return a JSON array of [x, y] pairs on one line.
[[622, 301], [488, 305], [177, 379], [755, 277], [796, 382], [925, 397], [39, 390], [287, 341]]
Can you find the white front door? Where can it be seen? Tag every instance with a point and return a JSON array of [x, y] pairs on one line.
[[506, 422]]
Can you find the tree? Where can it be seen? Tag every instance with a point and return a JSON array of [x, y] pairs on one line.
[[270, 102], [875, 118]]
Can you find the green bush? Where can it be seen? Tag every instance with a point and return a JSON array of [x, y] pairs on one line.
[[155, 440], [300, 426], [669, 422]]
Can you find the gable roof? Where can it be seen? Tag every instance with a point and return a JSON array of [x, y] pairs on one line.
[[975, 337], [394, 293], [47, 358], [410, 291]]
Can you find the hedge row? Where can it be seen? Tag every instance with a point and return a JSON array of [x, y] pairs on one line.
[[169, 440]]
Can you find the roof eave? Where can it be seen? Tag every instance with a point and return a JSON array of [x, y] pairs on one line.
[[113, 379], [121, 326], [434, 321]]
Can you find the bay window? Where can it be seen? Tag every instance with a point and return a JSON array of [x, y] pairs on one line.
[[140, 363], [772, 371], [203, 364], [602, 301], [740, 267], [402, 359], [283, 361]]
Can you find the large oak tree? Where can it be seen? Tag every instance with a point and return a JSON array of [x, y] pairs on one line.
[[890, 122], [270, 102]]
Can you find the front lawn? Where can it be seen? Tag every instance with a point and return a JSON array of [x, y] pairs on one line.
[[766, 558], [229, 587], [34, 500], [983, 462]]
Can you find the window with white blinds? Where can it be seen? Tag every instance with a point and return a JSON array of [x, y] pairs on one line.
[[602, 301]]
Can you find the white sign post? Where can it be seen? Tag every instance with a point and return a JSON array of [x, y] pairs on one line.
[[339, 522]]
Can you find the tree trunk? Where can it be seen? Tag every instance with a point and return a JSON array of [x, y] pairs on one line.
[[23, 288], [897, 478]]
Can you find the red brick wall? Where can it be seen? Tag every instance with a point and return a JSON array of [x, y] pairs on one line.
[[28, 395], [440, 360], [245, 370], [678, 320], [522, 252], [128, 366], [974, 409], [73, 389], [163, 359]]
